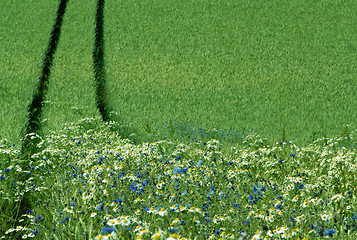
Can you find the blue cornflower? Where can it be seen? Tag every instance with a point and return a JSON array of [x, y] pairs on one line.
[[2, 178], [300, 186], [279, 206], [292, 155], [119, 200], [199, 163], [108, 229], [100, 160], [235, 205], [100, 207], [133, 187], [176, 170], [173, 229], [65, 219], [246, 222], [281, 160], [39, 218], [179, 157], [330, 232], [29, 211]]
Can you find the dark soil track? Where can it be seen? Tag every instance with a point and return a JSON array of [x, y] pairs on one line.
[[98, 61], [35, 108]]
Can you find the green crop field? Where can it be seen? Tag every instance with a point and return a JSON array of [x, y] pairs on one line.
[[23, 41], [240, 65], [162, 119]]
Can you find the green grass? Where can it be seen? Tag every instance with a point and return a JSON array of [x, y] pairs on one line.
[[71, 91], [25, 30], [241, 65], [87, 183]]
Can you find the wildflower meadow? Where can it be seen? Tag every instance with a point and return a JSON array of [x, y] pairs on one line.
[[86, 182]]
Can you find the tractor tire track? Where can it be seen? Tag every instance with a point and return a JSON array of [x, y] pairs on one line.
[[29, 146], [98, 62], [35, 108]]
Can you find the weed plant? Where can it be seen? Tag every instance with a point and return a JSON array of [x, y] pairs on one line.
[[87, 182]]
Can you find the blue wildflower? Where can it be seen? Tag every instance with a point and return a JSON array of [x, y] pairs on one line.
[[133, 187], [108, 229], [65, 219], [176, 170], [100, 207], [39, 218], [118, 200], [199, 163], [235, 205], [29, 211], [173, 229], [100, 160], [330, 232]]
